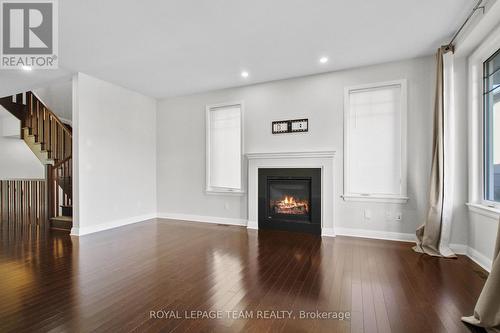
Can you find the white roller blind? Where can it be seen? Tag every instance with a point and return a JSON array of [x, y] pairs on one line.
[[374, 141], [224, 147]]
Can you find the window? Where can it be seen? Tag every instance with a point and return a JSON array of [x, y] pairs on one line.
[[491, 109], [482, 130], [375, 142], [224, 148]]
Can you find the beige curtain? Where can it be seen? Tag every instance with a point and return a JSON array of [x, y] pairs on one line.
[[487, 310], [433, 235]]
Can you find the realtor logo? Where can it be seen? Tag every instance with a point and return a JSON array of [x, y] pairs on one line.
[[29, 34]]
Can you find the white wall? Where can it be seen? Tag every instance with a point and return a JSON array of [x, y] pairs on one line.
[[58, 98], [17, 161], [181, 141], [479, 226], [482, 234], [115, 155]]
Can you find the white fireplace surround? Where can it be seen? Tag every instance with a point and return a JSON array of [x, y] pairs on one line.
[[325, 160]]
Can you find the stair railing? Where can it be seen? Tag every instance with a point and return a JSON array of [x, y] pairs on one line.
[[55, 138], [53, 135], [23, 203], [60, 187]]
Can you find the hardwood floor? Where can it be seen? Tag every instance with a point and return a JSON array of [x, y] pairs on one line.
[[113, 280]]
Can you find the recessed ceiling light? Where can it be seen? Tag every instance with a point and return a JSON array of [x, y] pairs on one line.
[[323, 60], [26, 68], [244, 74]]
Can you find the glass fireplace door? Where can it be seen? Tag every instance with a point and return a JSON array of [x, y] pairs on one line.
[[289, 199]]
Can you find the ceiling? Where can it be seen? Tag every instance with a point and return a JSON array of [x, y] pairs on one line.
[[175, 47]]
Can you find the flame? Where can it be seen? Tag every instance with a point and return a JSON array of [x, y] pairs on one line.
[[290, 205]]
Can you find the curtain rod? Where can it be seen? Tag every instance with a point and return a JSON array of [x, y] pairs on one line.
[[476, 7]]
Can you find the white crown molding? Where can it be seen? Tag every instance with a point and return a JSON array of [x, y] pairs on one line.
[[297, 154]]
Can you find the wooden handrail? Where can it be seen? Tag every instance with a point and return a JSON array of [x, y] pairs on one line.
[[56, 118], [58, 164], [40, 126], [15, 108], [48, 129], [56, 139]]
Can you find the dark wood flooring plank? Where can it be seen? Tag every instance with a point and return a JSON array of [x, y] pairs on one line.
[[110, 281]]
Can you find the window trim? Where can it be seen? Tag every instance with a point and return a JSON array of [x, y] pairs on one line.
[[402, 197], [214, 190], [476, 123], [486, 202]]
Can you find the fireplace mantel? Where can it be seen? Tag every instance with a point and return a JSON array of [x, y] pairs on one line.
[[296, 154], [311, 159]]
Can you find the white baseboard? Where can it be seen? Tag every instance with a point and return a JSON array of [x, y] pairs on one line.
[[480, 259], [375, 234], [474, 255], [459, 248], [253, 225], [75, 231], [202, 218], [327, 232]]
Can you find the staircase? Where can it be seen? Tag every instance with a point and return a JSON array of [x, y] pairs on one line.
[[51, 141]]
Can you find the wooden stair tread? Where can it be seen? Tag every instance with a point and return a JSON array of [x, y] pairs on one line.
[[62, 218], [63, 223]]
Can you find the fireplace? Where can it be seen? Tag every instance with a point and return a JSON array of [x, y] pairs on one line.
[[290, 199]]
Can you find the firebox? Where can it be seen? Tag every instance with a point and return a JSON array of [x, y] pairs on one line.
[[290, 199]]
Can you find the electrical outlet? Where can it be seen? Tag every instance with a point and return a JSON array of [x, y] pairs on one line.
[[368, 214], [388, 215], [226, 206]]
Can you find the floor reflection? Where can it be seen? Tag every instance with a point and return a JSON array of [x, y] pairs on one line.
[[111, 281], [29, 259], [297, 256]]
